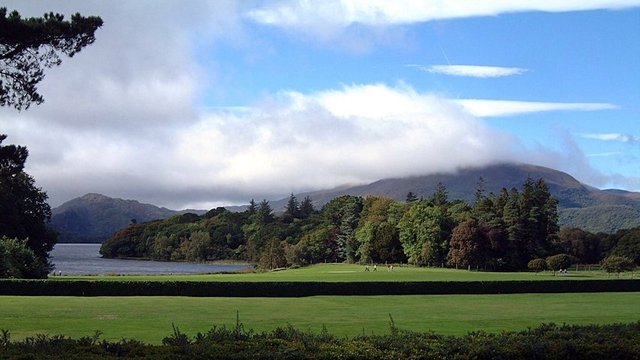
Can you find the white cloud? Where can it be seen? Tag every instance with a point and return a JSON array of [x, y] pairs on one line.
[[493, 108], [331, 13], [473, 70], [618, 137], [121, 118], [605, 154], [355, 134], [291, 142], [571, 158]]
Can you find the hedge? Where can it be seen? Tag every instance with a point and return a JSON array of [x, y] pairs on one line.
[[548, 341], [300, 289]]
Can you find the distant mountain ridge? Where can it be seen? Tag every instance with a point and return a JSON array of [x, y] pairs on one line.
[[94, 217], [580, 205]]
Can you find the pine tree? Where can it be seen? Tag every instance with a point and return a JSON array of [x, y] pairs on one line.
[[411, 197], [292, 209], [480, 190], [306, 208], [264, 213], [252, 207], [29, 45], [441, 195]]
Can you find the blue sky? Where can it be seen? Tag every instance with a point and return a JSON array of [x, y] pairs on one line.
[[219, 102]]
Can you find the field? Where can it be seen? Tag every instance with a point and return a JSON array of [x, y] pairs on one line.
[[150, 318], [349, 272]]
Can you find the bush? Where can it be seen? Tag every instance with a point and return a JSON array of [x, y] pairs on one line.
[[559, 262], [617, 264], [537, 265], [19, 261]]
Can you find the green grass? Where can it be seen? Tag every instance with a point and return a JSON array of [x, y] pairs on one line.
[[350, 272], [149, 318]]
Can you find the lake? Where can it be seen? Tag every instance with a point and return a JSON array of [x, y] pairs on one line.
[[85, 259]]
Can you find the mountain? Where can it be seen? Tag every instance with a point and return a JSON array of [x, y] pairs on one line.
[[580, 205], [95, 217]]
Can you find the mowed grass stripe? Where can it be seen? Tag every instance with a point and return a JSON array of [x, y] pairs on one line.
[[150, 318]]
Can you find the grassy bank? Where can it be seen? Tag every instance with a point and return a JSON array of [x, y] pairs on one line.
[[149, 318], [350, 272]]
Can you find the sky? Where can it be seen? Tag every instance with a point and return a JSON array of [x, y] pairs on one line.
[[209, 103]]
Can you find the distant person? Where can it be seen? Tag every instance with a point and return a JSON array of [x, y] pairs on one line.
[[366, 268], [375, 267]]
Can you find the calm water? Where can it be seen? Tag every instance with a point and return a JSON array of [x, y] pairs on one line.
[[84, 259]]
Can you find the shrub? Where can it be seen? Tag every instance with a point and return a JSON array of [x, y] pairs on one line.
[[19, 261], [559, 262], [537, 265], [617, 264]]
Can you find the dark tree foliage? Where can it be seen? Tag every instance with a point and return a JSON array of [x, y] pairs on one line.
[[264, 213], [342, 215], [469, 245], [252, 207], [306, 207], [583, 245], [441, 195], [27, 46], [12, 157], [480, 190], [23, 207], [528, 218], [627, 244], [291, 209]]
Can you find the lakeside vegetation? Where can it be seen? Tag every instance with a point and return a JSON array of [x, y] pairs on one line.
[[502, 232]]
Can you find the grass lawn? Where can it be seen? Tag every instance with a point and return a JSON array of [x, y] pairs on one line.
[[149, 318], [350, 272]]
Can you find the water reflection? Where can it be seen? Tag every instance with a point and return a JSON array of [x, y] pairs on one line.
[[84, 259]]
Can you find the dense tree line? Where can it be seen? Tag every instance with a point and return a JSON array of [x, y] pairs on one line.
[[498, 232]]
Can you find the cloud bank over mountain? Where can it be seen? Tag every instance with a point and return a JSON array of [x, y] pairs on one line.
[[129, 116]]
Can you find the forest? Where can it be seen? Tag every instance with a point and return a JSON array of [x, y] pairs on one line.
[[498, 232]]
